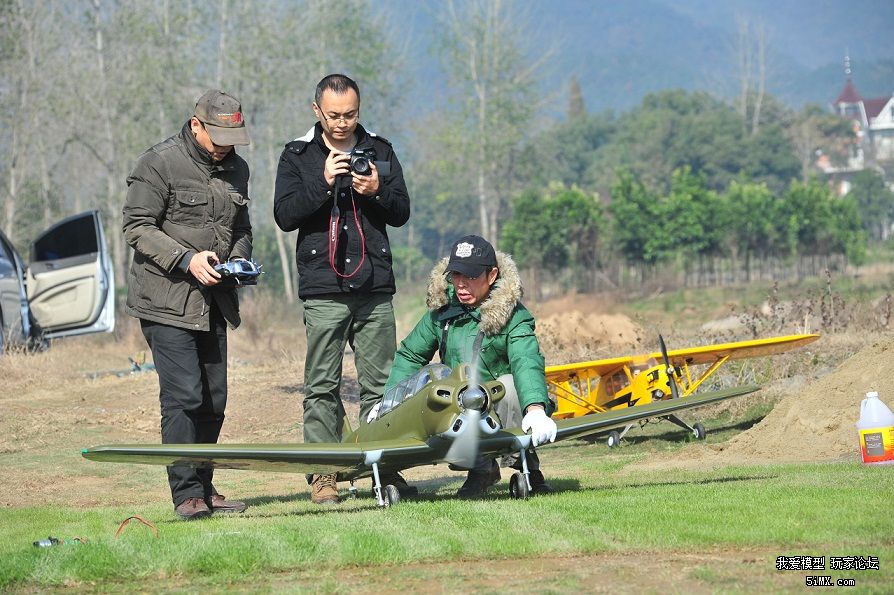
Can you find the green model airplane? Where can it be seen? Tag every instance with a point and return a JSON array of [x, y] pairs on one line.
[[437, 416]]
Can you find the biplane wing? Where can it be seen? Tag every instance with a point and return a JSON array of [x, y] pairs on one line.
[[708, 354], [354, 460]]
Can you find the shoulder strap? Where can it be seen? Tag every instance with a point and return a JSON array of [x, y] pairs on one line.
[[442, 346]]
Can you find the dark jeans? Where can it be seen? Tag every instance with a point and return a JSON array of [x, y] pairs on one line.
[[192, 380]]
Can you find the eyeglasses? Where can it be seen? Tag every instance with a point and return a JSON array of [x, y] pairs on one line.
[[345, 118]]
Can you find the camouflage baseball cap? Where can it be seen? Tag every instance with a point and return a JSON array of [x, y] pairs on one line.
[[222, 116]]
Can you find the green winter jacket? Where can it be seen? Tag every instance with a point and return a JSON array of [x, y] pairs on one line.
[[509, 345], [181, 202]]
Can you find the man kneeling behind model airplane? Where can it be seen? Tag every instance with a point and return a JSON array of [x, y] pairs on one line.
[[438, 416]]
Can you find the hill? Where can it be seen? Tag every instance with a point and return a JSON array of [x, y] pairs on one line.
[[623, 51]]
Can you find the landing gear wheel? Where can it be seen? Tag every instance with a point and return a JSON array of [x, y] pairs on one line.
[[518, 487], [614, 439], [392, 495], [698, 430]]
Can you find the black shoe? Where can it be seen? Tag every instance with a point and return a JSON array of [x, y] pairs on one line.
[[404, 489], [477, 482], [538, 484]]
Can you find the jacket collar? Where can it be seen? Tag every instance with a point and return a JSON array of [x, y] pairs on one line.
[[494, 312], [202, 157], [315, 134]]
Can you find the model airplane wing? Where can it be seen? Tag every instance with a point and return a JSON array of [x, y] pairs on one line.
[[738, 350], [294, 458], [501, 443], [354, 460], [707, 354]]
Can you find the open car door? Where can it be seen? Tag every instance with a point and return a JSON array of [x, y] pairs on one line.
[[14, 323], [70, 282]]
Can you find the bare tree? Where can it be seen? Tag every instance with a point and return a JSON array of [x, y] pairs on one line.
[[494, 85], [89, 85], [30, 30], [751, 62]]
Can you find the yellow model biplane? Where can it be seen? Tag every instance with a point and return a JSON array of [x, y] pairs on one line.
[[603, 385]]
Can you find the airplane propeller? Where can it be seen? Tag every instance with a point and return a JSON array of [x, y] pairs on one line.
[[464, 450], [671, 381]]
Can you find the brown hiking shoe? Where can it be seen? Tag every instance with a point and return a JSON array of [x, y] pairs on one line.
[[324, 489], [192, 508], [219, 503]]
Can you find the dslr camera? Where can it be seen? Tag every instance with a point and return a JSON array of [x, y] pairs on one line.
[[361, 159]]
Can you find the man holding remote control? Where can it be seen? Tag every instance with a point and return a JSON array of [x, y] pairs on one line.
[[186, 212]]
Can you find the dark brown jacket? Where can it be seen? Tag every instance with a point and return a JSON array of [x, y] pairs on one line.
[[180, 202]]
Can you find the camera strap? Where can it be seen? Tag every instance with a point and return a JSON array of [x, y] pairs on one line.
[[334, 219]]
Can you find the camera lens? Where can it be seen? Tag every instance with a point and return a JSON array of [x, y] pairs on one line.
[[360, 165]]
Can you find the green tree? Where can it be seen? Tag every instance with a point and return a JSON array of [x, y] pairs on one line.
[[566, 153], [635, 218], [850, 238], [577, 109], [554, 230], [674, 129], [750, 224], [812, 223], [874, 202], [687, 219]]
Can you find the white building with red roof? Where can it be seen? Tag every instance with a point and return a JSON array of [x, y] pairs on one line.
[[873, 121]]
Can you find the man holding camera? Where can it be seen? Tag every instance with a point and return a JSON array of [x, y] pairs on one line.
[[187, 211], [340, 186]]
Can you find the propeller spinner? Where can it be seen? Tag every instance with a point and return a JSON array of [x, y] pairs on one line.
[[464, 449]]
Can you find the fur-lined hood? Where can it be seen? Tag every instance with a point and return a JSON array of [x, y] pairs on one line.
[[497, 309]]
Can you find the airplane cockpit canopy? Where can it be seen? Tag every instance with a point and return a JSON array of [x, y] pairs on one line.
[[412, 385]]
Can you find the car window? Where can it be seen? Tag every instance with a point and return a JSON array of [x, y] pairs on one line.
[[6, 264], [72, 238]]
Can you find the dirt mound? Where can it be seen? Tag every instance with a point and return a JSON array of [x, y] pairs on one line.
[[576, 327], [814, 424]]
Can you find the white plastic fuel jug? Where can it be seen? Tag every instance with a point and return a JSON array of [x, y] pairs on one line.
[[876, 429]]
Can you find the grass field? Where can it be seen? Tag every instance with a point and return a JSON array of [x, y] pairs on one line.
[[738, 519]]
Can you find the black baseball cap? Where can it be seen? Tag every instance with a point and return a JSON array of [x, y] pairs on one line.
[[471, 256], [222, 116]]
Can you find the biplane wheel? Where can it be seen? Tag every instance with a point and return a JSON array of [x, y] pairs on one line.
[[518, 487], [392, 495], [699, 431], [614, 439]]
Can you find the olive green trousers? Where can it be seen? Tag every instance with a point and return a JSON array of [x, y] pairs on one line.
[[366, 323]]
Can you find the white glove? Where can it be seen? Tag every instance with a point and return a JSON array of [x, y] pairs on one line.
[[374, 412], [543, 429]]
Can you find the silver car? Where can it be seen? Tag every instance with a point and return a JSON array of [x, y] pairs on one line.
[[68, 288]]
